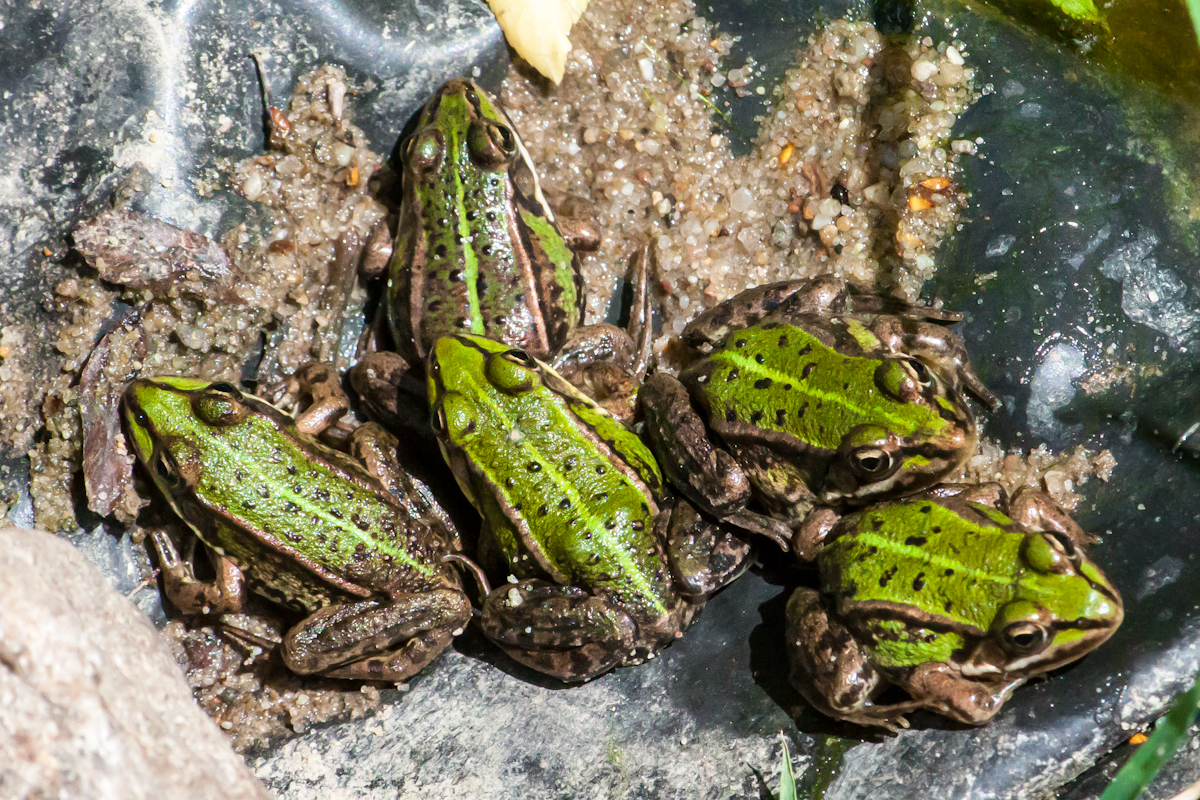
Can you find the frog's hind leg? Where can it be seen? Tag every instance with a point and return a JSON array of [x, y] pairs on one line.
[[224, 595], [375, 640], [561, 631], [831, 670]]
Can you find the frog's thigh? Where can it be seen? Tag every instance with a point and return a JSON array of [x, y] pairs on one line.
[[357, 639], [390, 387], [223, 595], [752, 305], [1038, 512], [558, 630], [945, 691], [707, 475], [828, 666], [704, 555]]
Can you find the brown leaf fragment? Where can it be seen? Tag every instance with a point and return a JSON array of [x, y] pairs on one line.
[[107, 462], [141, 252]]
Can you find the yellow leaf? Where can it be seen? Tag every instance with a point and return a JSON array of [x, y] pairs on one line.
[[537, 30]]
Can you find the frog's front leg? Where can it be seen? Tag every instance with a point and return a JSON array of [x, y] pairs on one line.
[[831, 670], [318, 382], [377, 640], [226, 594], [704, 555], [1037, 511], [936, 344], [561, 631], [942, 689]]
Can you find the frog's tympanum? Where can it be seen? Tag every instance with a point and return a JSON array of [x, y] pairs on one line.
[[478, 250], [955, 596], [597, 576], [302, 525], [812, 393]]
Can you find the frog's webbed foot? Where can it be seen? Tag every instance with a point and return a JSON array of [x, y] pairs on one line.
[[1037, 511], [704, 555], [607, 363], [374, 640], [938, 346], [705, 474], [226, 594], [561, 631], [392, 391], [318, 384]]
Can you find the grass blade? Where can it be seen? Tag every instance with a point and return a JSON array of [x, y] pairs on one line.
[[1156, 751]]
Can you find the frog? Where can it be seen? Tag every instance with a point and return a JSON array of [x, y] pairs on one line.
[[478, 249], [956, 595], [594, 567], [353, 544], [805, 393]]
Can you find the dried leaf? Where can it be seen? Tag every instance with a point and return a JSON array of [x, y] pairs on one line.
[[537, 30]]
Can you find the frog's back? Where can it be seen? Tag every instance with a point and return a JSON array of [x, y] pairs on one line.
[[291, 509], [560, 499], [790, 380], [956, 564]]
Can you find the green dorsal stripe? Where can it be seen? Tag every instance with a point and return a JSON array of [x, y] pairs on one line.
[[467, 244], [922, 554]]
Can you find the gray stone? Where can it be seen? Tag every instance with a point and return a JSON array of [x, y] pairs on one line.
[[92, 705]]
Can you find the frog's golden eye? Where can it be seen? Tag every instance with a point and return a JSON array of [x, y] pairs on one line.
[[503, 137], [872, 463], [1025, 638], [520, 357]]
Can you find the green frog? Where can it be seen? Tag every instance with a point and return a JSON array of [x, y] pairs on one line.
[[599, 574], [810, 392], [479, 250], [956, 596], [361, 552]]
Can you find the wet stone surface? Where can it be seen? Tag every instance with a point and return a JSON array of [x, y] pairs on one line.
[[1082, 309]]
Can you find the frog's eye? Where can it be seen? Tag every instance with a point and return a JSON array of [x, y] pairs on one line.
[[1025, 638], [503, 137], [921, 372], [520, 357], [490, 144], [223, 387], [872, 463]]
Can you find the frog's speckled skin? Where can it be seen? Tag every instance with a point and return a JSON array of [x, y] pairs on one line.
[[304, 525], [570, 500], [475, 253], [946, 596]]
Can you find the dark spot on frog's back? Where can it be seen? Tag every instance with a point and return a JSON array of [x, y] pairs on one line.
[[783, 340], [805, 350], [762, 383], [808, 368], [915, 541], [887, 576], [919, 582], [876, 523], [732, 375], [756, 416], [360, 522]]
